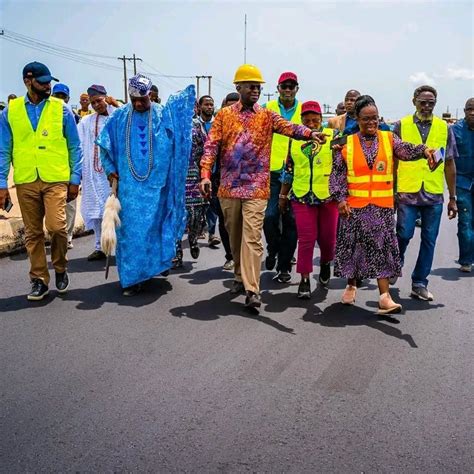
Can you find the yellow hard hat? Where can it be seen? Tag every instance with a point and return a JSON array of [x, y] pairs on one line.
[[248, 73]]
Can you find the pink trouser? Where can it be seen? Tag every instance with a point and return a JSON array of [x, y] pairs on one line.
[[315, 224]]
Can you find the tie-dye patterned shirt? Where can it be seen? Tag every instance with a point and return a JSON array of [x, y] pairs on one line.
[[243, 138]]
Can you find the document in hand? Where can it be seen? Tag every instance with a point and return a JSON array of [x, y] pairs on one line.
[[437, 159]]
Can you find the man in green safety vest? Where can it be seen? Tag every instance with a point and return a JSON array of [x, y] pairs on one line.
[[420, 187], [38, 137], [280, 229]]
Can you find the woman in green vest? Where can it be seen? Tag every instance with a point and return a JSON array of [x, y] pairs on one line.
[[305, 182]]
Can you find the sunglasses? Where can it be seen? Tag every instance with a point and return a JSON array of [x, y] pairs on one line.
[[289, 87], [254, 87], [426, 102]]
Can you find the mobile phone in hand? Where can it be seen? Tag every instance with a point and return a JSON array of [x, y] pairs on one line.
[[7, 207]]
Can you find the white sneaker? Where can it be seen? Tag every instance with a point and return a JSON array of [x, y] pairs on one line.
[[465, 268]]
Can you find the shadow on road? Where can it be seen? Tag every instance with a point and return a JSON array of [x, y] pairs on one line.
[[202, 277], [339, 315], [223, 305], [450, 274], [82, 265], [95, 297]]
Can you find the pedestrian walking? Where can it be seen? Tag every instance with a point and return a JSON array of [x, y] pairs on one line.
[[95, 186], [420, 188], [463, 131], [39, 139], [84, 102], [146, 147], [61, 91], [241, 136], [280, 229], [196, 205], [305, 183], [362, 183]]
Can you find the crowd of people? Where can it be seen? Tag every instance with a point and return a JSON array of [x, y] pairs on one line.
[[353, 184]]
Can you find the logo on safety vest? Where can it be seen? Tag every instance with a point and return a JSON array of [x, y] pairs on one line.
[[44, 133], [380, 166]]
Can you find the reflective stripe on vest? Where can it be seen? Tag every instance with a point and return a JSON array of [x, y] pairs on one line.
[[369, 186], [411, 175], [313, 176], [43, 153], [280, 143]]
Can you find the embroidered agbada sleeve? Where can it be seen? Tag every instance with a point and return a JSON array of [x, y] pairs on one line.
[[289, 129], [212, 146], [407, 151], [105, 140], [338, 178]]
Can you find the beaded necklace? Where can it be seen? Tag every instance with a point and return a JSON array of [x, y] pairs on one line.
[[129, 151], [97, 164]]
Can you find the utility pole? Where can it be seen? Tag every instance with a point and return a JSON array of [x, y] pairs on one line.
[[134, 59], [198, 78], [268, 95], [245, 39], [125, 93]]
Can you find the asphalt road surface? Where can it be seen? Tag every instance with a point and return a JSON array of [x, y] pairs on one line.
[[182, 379]]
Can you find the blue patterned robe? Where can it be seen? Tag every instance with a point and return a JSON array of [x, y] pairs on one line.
[[153, 211]]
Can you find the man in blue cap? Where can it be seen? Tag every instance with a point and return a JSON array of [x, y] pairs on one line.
[[38, 136], [61, 91]]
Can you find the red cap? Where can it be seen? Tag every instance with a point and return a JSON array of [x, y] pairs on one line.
[[311, 106], [288, 76]]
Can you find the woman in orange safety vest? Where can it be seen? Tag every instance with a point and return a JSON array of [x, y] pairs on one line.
[[361, 182]]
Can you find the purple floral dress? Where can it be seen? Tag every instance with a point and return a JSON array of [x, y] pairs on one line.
[[366, 245]]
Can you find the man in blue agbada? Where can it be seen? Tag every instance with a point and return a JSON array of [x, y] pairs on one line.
[[146, 147]]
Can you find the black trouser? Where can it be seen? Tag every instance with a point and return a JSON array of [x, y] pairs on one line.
[[214, 204], [279, 229]]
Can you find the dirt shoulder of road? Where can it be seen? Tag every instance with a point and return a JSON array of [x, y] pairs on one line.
[[12, 229]]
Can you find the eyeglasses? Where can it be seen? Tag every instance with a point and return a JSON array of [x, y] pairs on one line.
[[290, 87], [424, 103], [369, 119]]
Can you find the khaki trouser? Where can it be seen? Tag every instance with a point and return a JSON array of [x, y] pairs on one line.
[[38, 201], [244, 222]]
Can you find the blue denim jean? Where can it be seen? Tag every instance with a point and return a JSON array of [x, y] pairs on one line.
[[280, 230], [465, 225], [430, 221]]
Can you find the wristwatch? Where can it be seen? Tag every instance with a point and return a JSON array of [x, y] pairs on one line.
[[453, 198], [283, 196]]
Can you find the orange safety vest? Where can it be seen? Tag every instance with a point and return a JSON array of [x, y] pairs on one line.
[[369, 186]]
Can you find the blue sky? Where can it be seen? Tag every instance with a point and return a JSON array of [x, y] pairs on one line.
[[381, 48]]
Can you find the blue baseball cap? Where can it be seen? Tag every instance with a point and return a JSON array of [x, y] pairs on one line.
[[38, 71], [60, 87]]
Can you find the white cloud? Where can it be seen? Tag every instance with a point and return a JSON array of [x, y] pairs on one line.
[[460, 74], [422, 78]]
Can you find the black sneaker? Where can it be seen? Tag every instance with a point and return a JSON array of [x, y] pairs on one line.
[[38, 290], [253, 300], [132, 290], [195, 251], [237, 288], [176, 263], [282, 277], [304, 289], [325, 273], [96, 255], [270, 262], [62, 282], [165, 273]]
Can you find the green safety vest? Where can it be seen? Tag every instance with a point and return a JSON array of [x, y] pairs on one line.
[[43, 152], [411, 175], [312, 174], [280, 143]]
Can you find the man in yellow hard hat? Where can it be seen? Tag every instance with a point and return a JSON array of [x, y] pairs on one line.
[[242, 137]]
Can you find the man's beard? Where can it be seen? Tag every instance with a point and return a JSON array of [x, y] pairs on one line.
[[41, 93]]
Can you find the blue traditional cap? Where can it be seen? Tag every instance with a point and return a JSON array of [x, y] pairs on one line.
[[96, 89], [139, 86]]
